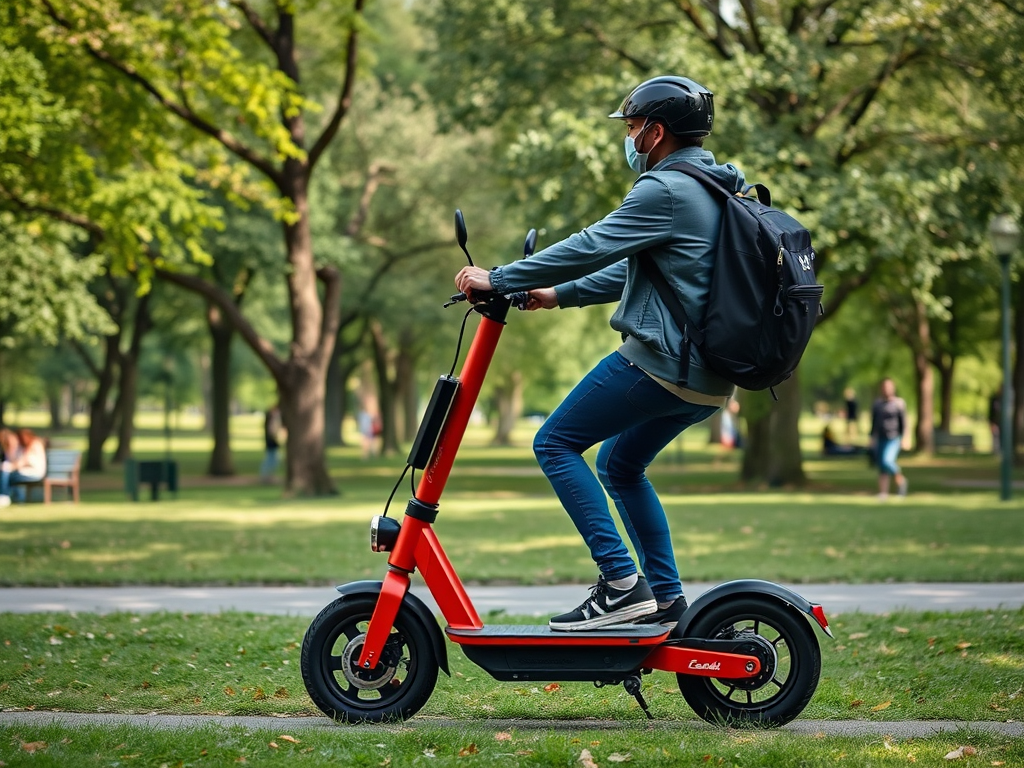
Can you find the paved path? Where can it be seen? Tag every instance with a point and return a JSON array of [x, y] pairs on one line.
[[904, 729], [307, 601]]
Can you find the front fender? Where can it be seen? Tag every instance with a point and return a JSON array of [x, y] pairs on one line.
[[414, 604], [769, 589]]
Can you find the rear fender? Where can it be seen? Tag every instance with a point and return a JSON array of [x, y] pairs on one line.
[[768, 589], [414, 604]]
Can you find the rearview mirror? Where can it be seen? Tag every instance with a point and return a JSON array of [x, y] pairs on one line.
[[461, 235], [530, 244]]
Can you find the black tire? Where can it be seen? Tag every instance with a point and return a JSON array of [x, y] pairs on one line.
[[788, 680], [398, 687]]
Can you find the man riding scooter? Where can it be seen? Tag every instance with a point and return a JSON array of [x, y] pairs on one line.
[[631, 402]]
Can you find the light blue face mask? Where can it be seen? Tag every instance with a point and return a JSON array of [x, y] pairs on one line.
[[636, 160]]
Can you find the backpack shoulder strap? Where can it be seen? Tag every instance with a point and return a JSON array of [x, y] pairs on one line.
[[712, 184], [675, 308]]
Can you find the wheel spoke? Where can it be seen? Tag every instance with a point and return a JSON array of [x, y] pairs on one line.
[[776, 681], [334, 663], [750, 697]]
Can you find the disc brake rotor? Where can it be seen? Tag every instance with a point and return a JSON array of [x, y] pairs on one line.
[[379, 676]]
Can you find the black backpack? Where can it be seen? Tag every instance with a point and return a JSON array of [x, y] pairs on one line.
[[764, 299]]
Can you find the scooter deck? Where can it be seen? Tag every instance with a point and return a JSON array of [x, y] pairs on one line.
[[542, 634]]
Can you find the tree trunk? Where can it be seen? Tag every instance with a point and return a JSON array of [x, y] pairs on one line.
[[101, 419], [206, 390], [757, 455], [385, 388], [55, 401], [222, 334], [405, 387], [1017, 382], [334, 403], [128, 386], [925, 377], [302, 411], [715, 428], [946, 371], [509, 401], [772, 455]]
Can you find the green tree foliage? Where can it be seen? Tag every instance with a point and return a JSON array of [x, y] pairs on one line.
[[839, 106]]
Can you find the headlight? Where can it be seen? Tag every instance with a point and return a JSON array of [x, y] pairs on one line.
[[383, 533]]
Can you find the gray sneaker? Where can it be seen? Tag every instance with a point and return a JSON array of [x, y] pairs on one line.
[[608, 607]]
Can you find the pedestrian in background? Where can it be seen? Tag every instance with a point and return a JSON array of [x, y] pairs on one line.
[[852, 412], [889, 434]]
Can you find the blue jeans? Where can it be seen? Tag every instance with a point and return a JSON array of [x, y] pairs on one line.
[[888, 449], [635, 417], [7, 480]]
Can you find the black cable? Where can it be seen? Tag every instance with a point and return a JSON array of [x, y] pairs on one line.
[[412, 482], [395, 489], [458, 346]]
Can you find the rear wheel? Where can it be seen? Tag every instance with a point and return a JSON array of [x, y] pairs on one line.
[[395, 689], [790, 665]]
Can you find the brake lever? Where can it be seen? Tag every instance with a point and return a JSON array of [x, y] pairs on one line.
[[455, 300]]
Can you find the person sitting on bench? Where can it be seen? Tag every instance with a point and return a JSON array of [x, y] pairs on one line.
[[830, 447], [24, 461]]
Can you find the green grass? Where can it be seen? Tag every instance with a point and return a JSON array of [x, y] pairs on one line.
[[966, 666], [55, 745]]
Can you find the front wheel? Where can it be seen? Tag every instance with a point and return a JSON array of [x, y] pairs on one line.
[[790, 665], [395, 689]]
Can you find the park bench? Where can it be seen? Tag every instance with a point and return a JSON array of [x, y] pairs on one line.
[[956, 442], [62, 468]]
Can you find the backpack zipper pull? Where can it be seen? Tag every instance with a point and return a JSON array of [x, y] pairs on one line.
[[778, 297]]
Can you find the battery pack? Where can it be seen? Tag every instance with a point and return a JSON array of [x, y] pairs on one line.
[[433, 421]]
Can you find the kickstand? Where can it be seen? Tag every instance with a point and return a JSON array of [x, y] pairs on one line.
[[632, 686]]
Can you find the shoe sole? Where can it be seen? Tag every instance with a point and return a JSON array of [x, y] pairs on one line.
[[623, 616]]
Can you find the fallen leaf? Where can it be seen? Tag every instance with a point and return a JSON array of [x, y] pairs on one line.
[[258, 694], [229, 691], [54, 640], [428, 753], [469, 749], [586, 760], [503, 736], [962, 645], [856, 702], [970, 751], [273, 745], [887, 744], [931, 642], [552, 687], [281, 693], [33, 746], [902, 630], [524, 752], [956, 754], [880, 707], [997, 762], [615, 757], [290, 739], [858, 635]]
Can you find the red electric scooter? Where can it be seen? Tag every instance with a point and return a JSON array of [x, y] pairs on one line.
[[744, 653]]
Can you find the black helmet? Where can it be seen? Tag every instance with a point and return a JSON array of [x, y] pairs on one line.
[[685, 107]]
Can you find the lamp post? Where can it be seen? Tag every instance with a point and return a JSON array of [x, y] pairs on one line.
[[1005, 235]]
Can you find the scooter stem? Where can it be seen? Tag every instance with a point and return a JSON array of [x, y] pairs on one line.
[[471, 379], [417, 546]]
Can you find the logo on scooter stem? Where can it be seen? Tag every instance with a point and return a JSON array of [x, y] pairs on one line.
[[711, 666]]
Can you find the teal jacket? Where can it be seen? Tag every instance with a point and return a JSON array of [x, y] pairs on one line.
[[677, 220]]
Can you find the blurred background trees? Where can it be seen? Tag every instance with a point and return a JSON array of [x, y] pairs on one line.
[[168, 146]]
